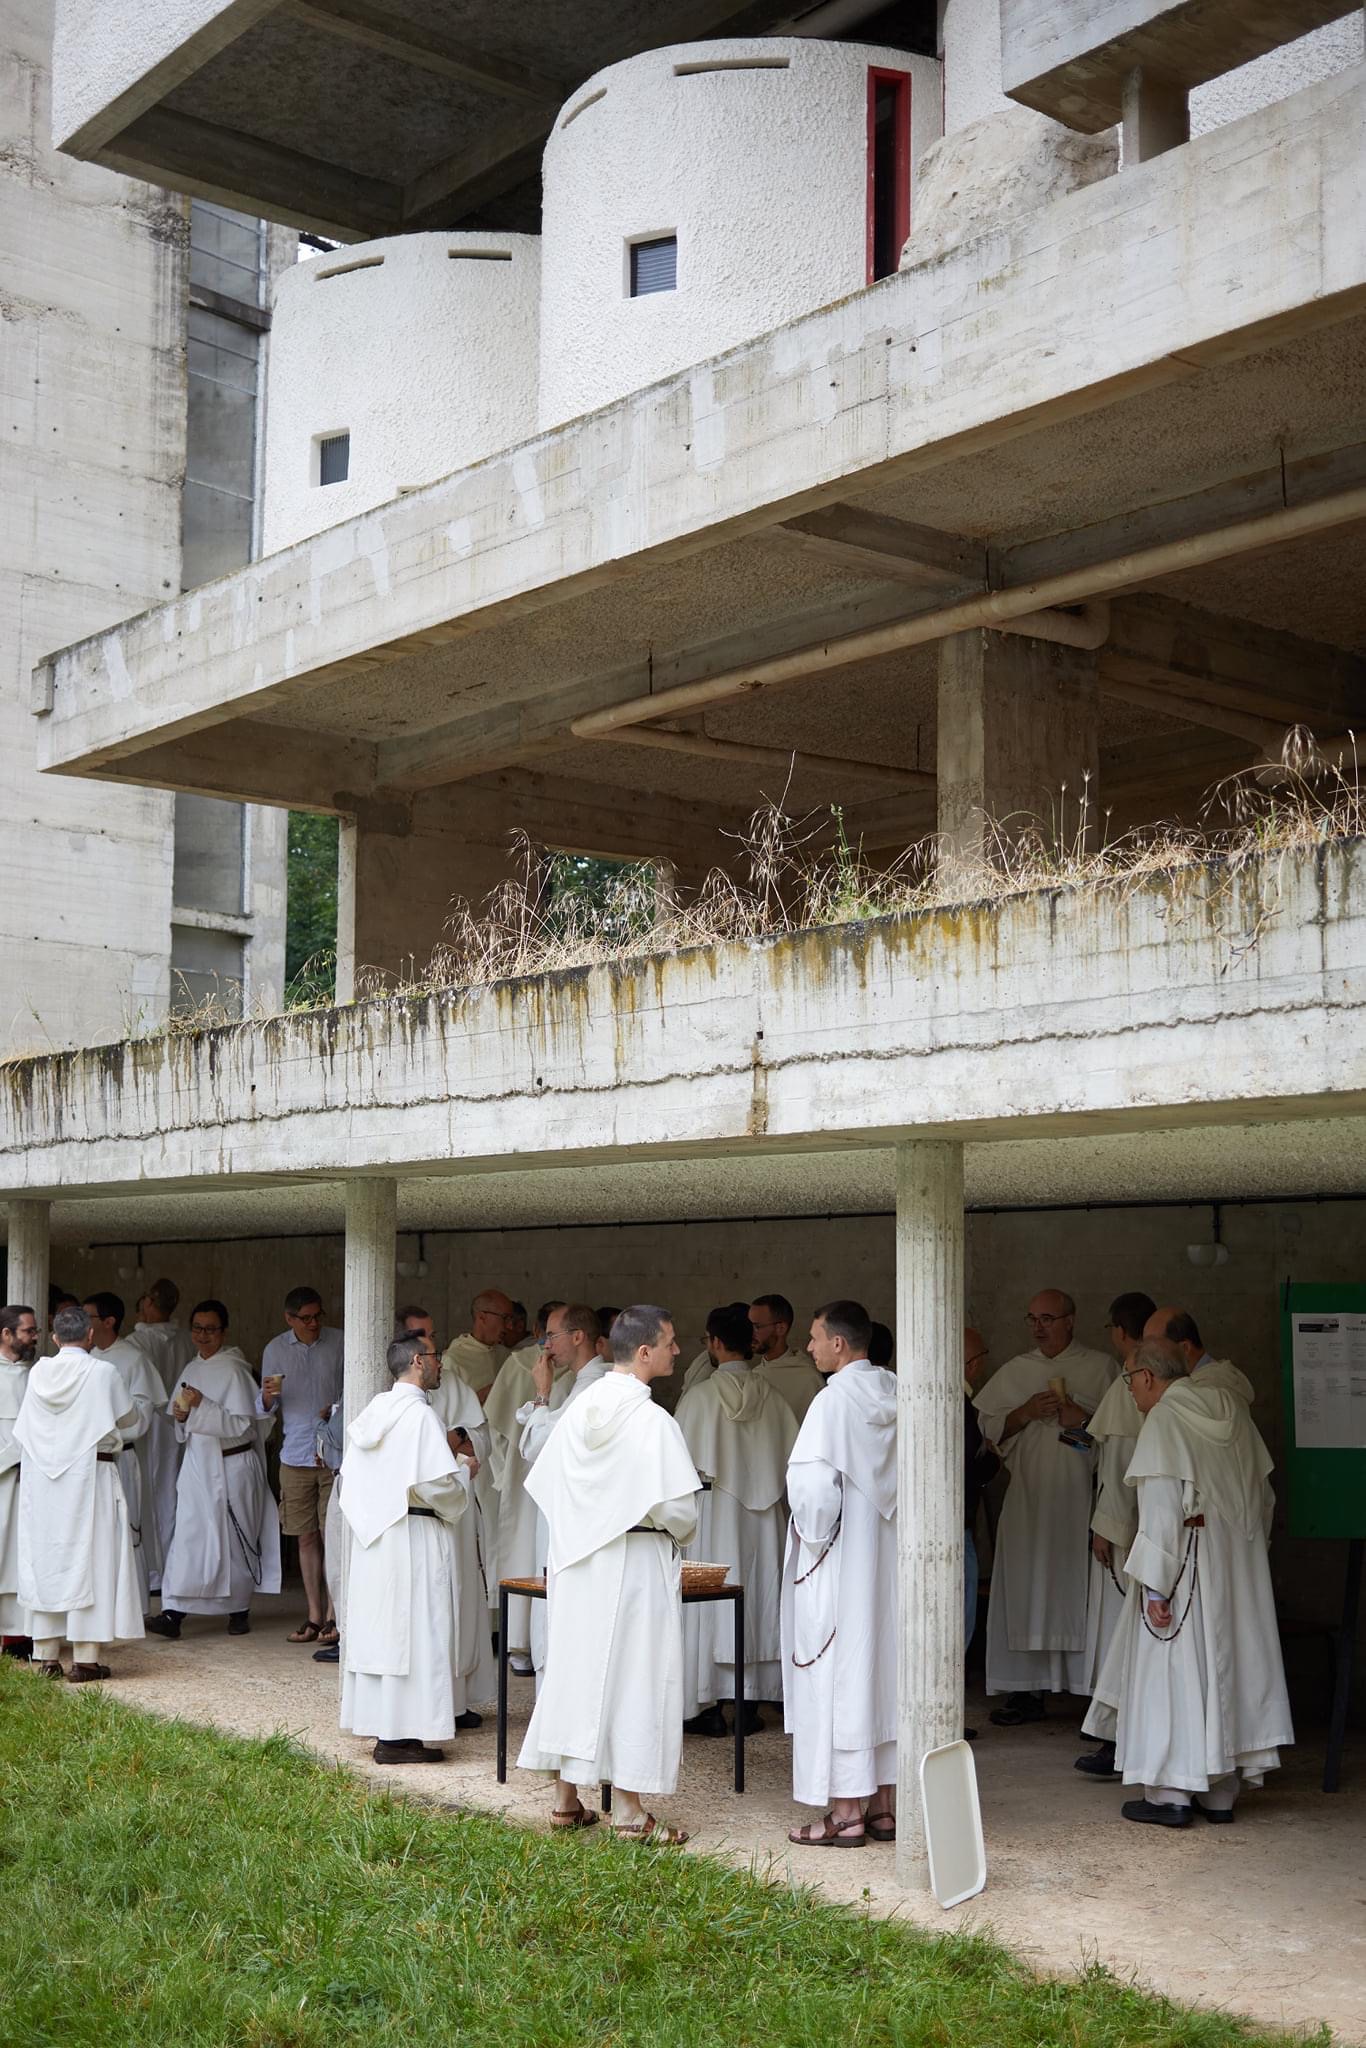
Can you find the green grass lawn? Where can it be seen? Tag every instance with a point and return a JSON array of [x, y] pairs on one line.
[[159, 1884]]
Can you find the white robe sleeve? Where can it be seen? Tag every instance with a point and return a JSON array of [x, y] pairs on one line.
[[1159, 1549], [677, 1517], [210, 1419], [815, 1496], [537, 1423], [449, 1495], [139, 1420]]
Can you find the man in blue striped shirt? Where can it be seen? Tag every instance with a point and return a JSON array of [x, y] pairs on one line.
[[301, 1380]]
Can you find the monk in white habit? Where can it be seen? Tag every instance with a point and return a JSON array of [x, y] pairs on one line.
[[789, 1373], [226, 1541], [77, 1573], [474, 1358], [569, 1364], [1177, 1326], [839, 1597], [138, 1464], [1193, 1690], [739, 1434], [517, 1512], [403, 1492], [1114, 1511], [169, 1347], [619, 1494], [1036, 1616], [18, 1349]]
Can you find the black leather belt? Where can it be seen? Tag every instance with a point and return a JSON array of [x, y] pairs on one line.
[[706, 1486], [641, 1529], [238, 1449], [107, 1457], [425, 1511]]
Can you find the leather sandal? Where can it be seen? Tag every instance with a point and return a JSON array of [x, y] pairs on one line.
[[329, 1634], [881, 1826], [48, 1667], [579, 1816], [648, 1829], [836, 1834], [86, 1674], [307, 1632]]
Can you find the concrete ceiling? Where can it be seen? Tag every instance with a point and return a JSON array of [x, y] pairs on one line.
[[365, 117], [1236, 1161]]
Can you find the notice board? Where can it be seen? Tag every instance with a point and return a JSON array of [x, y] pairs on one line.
[[1323, 1356]]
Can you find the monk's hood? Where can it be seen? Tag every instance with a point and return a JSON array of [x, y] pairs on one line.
[[604, 1415], [740, 1395], [377, 1419], [64, 1380]]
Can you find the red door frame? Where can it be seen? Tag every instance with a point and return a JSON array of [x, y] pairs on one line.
[[902, 82]]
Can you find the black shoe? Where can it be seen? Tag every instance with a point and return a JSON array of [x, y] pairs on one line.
[[331, 1654], [969, 1735], [1156, 1816], [407, 1753], [1019, 1708], [469, 1720], [1098, 1763], [1219, 1816], [167, 1624], [711, 1721], [20, 1647], [239, 1624]]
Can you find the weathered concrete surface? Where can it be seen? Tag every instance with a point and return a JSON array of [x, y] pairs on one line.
[[1215, 996], [1068, 1883], [1069, 58], [1121, 287]]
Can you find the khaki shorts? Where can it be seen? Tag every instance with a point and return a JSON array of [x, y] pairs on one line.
[[304, 1494]]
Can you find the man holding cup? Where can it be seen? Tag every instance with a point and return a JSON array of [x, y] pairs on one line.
[[301, 1381]]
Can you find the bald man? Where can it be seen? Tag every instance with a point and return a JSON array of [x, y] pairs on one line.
[[1036, 1617], [1178, 1326]]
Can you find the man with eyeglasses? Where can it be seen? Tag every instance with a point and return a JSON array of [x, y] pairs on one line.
[[1193, 1689], [301, 1381], [1036, 1616]]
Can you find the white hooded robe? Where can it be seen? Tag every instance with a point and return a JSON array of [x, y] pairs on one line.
[[839, 1599], [611, 1706], [13, 1385], [225, 1543], [517, 1512], [739, 1434], [170, 1349], [409, 1620]]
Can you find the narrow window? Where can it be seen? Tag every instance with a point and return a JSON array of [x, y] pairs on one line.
[[889, 170], [334, 458], [654, 266]]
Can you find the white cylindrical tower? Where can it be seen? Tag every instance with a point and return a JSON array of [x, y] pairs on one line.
[[696, 197], [392, 363]]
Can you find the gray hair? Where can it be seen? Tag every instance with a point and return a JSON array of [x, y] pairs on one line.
[[71, 1325], [643, 1323], [1161, 1359], [401, 1353]]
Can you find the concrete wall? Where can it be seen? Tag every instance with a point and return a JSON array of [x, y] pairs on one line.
[[1281, 72], [92, 339], [106, 56], [760, 172], [422, 347]]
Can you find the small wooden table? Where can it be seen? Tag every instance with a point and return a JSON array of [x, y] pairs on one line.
[[534, 1589]]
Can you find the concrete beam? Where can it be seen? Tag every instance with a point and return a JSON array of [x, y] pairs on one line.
[[427, 49], [469, 177], [154, 57], [1157, 116], [1069, 58], [1213, 994], [871, 544], [888, 382]]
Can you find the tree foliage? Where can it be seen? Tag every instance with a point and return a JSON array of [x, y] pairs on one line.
[[311, 912]]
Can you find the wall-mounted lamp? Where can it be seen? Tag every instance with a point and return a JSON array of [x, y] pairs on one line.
[[1215, 1253]]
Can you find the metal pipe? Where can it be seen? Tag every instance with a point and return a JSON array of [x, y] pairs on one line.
[[993, 609], [1087, 628], [782, 758]]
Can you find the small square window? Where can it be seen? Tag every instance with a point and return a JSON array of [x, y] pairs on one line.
[[654, 266], [334, 458]]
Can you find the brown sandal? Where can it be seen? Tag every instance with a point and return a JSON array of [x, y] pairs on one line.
[[836, 1835], [881, 1826], [648, 1829], [48, 1667], [579, 1816], [329, 1634], [308, 1632], [86, 1674]]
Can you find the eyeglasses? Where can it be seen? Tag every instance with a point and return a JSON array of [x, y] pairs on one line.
[[1043, 1322], [206, 1329], [1132, 1374], [312, 1315]]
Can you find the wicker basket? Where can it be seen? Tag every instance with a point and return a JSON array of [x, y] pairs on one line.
[[704, 1578]]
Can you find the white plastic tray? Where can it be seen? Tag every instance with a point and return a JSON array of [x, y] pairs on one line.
[[953, 1823]]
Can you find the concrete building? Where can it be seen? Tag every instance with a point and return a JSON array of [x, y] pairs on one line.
[[129, 341], [1072, 499]]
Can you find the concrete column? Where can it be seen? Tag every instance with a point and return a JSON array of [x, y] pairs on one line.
[[929, 1343], [27, 1259], [1156, 116], [371, 1227], [1017, 727]]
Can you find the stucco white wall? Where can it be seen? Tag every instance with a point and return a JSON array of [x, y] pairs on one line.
[[420, 347], [1278, 74], [102, 53], [426, 354], [970, 39], [92, 362], [760, 172]]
